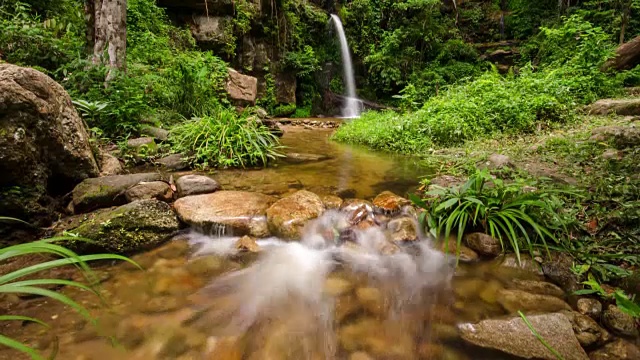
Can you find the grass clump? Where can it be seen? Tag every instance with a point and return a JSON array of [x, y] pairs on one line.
[[225, 139], [509, 212]]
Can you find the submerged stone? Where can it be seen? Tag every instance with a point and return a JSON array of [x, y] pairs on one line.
[[136, 226], [514, 337], [239, 212], [538, 287], [287, 217], [517, 300]]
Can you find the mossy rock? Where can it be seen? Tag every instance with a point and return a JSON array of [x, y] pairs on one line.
[[106, 191], [133, 227]]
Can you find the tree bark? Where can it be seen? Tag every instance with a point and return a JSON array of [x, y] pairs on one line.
[[110, 34], [90, 19]]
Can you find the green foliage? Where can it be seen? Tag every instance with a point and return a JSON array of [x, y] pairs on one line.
[[13, 282], [508, 212], [224, 139], [623, 301], [303, 62]]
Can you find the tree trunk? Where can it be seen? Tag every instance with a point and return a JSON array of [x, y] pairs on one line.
[[627, 56], [110, 33], [90, 19]]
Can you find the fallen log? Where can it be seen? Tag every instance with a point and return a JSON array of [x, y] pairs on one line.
[[627, 56]]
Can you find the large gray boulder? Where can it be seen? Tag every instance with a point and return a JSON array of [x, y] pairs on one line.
[[236, 212], [106, 191], [513, 336], [44, 145], [136, 226], [241, 88]]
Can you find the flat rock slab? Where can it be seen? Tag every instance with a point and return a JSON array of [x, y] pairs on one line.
[[512, 336], [196, 185], [297, 158], [616, 106], [106, 191], [239, 212]]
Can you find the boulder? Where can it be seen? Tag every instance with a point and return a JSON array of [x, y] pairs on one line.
[[173, 162], [241, 87], [288, 216], [239, 212], [538, 287], [389, 203], [483, 244], [196, 185], [331, 201], [587, 330], [155, 132], [210, 29], [106, 191], [109, 165], [627, 56], [617, 350], [619, 322], [403, 229], [158, 190], [44, 145], [136, 226], [497, 162], [621, 136], [616, 106], [517, 300], [513, 336], [558, 270], [297, 158], [142, 146]]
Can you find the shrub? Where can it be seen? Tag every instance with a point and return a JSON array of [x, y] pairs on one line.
[[224, 139], [504, 211]]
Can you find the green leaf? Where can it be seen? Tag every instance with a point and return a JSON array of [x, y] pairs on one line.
[[447, 204]]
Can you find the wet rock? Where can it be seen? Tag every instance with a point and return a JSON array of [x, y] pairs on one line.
[[483, 244], [44, 145], [224, 348], [247, 244], [389, 203], [350, 205], [452, 248], [538, 287], [241, 87], [526, 264], [155, 132], [498, 161], [619, 322], [490, 292], [158, 190], [109, 165], [512, 336], [298, 158], [173, 162], [621, 136], [587, 330], [372, 300], [616, 106], [617, 350], [558, 270], [240, 212], [331, 201], [371, 336], [403, 229], [106, 191], [196, 185], [517, 300], [136, 226], [589, 307], [288, 216], [468, 288], [337, 286], [206, 266]]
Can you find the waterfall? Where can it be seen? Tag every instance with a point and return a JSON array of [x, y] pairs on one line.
[[351, 108]]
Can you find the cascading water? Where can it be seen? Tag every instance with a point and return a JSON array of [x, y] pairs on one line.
[[352, 104], [287, 304]]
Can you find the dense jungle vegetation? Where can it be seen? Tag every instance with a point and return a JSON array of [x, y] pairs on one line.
[[459, 81]]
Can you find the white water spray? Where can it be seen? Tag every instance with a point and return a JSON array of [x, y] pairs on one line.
[[352, 105]]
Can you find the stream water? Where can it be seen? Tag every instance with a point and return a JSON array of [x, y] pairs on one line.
[[199, 297]]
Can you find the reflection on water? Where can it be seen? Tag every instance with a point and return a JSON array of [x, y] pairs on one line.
[[347, 168]]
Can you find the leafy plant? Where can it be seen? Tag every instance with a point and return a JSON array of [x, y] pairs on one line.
[[624, 302], [224, 139], [504, 211], [14, 282]]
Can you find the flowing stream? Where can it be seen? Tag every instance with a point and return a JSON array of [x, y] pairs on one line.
[[352, 105]]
